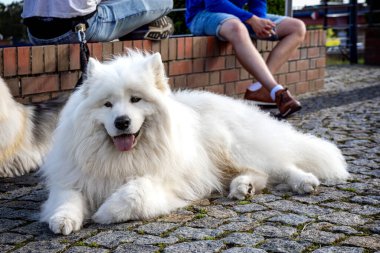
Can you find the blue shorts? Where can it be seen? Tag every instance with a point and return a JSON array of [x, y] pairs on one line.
[[209, 23]]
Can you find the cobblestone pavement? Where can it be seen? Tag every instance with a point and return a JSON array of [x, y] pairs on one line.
[[339, 218]]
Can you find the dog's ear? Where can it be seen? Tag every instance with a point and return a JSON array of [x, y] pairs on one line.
[[92, 65], [159, 72]]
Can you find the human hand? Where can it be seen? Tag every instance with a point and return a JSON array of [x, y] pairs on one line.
[[262, 27]]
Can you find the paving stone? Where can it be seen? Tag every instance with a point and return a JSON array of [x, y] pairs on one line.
[[5, 248], [341, 205], [365, 210], [7, 224], [373, 226], [263, 215], [343, 218], [321, 237], [41, 247], [151, 239], [23, 204], [156, 228], [71, 238], [244, 250], [360, 188], [358, 177], [366, 162], [248, 208], [324, 195], [343, 229], [264, 198], [10, 213], [84, 249], [283, 246], [13, 238], [243, 239], [18, 192], [309, 210], [134, 248], [206, 222], [338, 249], [371, 172], [119, 226], [237, 226], [311, 199], [375, 181], [201, 202], [291, 219], [35, 228], [243, 217], [224, 201], [220, 212], [178, 216], [111, 239], [372, 242], [37, 196], [206, 246], [196, 233], [274, 231], [355, 208]]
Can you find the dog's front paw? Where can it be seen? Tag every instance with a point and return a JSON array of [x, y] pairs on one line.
[[64, 224], [107, 214], [307, 183], [241, 187], [103, 216]]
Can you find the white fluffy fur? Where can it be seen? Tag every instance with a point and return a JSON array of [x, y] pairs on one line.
[[19, 153], [190, 144]]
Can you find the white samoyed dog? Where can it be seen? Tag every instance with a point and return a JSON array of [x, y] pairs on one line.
[[25, 132], [127, 147]]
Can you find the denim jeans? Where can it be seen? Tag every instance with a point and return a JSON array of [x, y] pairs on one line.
[[209, 23], [113, 19]]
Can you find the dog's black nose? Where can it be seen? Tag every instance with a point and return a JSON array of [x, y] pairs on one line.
[[122, 122]]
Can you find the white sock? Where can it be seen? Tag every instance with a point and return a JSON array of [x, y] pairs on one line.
[[274, 90], [255, 86]]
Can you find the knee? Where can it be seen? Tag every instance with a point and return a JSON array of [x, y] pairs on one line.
[[299, 29], [234, 30]]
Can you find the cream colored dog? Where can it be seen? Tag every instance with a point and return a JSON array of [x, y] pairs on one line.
[[25, 132], [127, 147]]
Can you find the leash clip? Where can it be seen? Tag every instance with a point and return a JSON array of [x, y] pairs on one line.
[[80, 30]]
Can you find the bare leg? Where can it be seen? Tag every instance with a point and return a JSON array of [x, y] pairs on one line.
[[234, 31], [291, 32], [237, 34]]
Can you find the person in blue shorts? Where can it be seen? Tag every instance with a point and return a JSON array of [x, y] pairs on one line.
[[230, 21]]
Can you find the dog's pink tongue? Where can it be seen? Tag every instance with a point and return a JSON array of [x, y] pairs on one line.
[[124, 142]]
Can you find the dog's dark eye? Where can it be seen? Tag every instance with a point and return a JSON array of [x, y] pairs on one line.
[[108, 104], [135, 99]]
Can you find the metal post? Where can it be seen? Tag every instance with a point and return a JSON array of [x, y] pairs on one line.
[[353, 32], [370, 17], [289, 8], [325, 9]]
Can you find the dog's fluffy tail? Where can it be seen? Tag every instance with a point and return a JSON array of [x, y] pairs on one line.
[[323, 159]]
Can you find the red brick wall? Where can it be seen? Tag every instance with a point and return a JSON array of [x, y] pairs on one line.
[[41, 72]]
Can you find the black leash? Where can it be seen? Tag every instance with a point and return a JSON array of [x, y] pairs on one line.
[[84, 52]]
